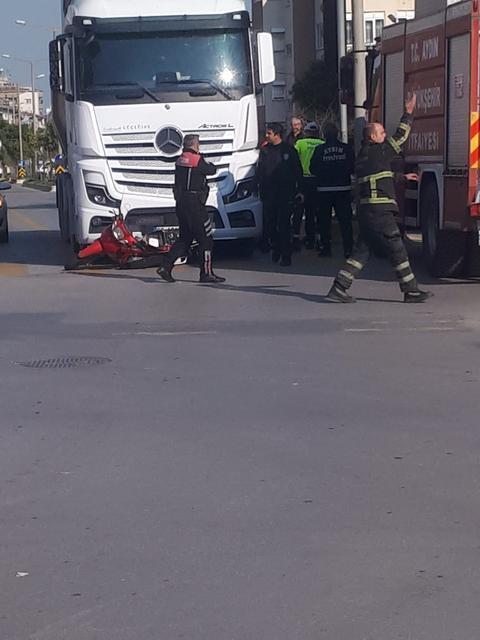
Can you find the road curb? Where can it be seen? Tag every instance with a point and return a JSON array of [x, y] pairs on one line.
[[39, 187]]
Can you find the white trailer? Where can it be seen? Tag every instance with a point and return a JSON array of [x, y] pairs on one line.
[[129, 80]]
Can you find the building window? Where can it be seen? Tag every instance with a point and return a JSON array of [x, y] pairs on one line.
[[405, 15], [374, 23], [278, 37], [369, 38], [349, 34], [373, 26], [279, 91]]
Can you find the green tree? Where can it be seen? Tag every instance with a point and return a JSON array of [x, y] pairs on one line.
[[47, 141], [316, 92], [9, 152]]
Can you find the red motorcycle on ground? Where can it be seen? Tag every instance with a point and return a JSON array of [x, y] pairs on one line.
[[118, 248]]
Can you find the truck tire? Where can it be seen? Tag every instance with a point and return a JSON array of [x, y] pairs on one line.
[[444, 251], [62, 205], [70, 209]]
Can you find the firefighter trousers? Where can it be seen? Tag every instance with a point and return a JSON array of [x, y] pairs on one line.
[[379, 234], [195, 224]]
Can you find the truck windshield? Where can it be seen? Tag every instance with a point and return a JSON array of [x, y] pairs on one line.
[[173, 67]]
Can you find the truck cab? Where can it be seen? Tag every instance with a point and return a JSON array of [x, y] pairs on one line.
[[129, 81]]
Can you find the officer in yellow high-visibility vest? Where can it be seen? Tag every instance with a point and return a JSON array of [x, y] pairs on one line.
[[308, 187]]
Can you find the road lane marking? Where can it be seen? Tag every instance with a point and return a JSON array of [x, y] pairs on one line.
[[433, 329], [12, 270], [27, 221], [167, 333]]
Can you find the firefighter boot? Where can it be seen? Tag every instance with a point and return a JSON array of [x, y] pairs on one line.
[[338, 294], [417, 296]]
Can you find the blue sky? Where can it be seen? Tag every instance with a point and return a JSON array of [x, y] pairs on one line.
[[29, 42]]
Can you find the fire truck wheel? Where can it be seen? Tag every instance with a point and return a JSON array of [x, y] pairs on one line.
[[444, 251]]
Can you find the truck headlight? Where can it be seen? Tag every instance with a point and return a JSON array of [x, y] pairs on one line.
[[244, 189], [99, 196]]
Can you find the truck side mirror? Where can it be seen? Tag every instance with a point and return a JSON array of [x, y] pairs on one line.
[[61, 71], [266, 60], [347, 82], [56, 72]]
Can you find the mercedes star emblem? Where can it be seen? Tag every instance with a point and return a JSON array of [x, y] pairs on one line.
[[169, 141]]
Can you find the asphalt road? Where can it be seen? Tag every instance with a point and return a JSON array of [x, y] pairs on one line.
[[250, 463]]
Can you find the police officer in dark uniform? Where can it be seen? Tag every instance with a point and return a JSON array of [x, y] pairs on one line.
[[279, 173], [333, 165], [377, 208], [191, 193]]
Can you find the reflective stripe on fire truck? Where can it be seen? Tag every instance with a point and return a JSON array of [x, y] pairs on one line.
[[475, 140]]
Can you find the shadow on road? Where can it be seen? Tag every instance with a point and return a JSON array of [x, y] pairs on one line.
[[307, 263], [35, 248]]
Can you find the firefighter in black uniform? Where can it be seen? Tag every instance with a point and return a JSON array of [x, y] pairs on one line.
[[333, 165], [377, 208], [191, 193], [279, 174]]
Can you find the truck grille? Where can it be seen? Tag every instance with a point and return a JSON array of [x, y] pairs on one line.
[[137, 167], [144, 220]]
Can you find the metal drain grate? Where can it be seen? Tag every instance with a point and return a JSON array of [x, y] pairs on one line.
[[72, 362]]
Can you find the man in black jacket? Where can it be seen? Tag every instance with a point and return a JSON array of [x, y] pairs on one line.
[[191, 193], [279, 173], [333, 164], [378, 206]]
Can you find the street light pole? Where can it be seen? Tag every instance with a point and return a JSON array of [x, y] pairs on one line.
[[360, 69], [24, 23], [20, 137], [342, 51], [34, 128]]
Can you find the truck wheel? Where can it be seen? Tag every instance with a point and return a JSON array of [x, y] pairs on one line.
[[69, 208], [63, 215], [444, 251]]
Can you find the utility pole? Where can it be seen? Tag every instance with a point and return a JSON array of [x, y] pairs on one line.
[[32, 72], [342, 52], [360, 69], [20, 137]]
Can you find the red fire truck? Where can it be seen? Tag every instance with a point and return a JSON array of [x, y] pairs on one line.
[[437, 57]]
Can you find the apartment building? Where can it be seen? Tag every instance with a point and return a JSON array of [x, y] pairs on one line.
[[305, 30], [292, 25], [9, 100], [379, 13]]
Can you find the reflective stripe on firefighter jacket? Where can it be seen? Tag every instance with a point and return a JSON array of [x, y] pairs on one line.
[[373, 168]]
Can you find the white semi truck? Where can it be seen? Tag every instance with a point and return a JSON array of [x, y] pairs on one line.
[[129, 80]]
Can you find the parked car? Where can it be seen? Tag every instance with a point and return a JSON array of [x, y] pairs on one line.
[[3, 213]]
